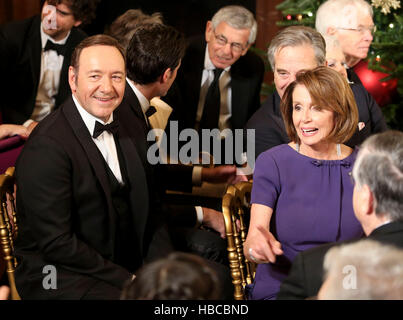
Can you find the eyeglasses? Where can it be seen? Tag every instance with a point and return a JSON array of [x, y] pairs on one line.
[[235, 46], [361, 30]]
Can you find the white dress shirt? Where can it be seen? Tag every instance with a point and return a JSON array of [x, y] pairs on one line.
[[225, 93], [105, 141]]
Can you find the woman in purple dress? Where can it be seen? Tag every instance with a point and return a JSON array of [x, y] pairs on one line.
[[302, 192]]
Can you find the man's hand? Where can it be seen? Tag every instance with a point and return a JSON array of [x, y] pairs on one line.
[[261, 246], [214, 220], [222, 174], [8, 130]]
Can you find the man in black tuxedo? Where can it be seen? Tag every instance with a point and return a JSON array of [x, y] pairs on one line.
[[82, 196], [378, 205], [153, 58], [222, 55], [35, 54], [149, 78], [292, 50]]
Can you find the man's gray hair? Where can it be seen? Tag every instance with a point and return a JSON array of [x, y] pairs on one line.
[[237, 17], [296, 36], [363, 270], [336, 13], [379, 165]]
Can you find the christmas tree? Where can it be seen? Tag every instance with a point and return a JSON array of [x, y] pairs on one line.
[[385, 55]]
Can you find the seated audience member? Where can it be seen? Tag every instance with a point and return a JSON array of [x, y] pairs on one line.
[[153, 45], [161, 47], [292, 50], [301, 195], [365, 270], [218, 84], [122, 29], [377, 203], [35, 53], [82, 195], [350, 22], [180, 276]]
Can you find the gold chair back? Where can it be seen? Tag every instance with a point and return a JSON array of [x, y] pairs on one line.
[[8, 226], [236, 207]]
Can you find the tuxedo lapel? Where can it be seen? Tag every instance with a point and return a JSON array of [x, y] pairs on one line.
[[93, 154]]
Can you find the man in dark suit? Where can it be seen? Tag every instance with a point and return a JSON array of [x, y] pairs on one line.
[[144, 84], [378, 205], [35, 54], [153, 58], [83, 199], [292, 50], [239, 72]]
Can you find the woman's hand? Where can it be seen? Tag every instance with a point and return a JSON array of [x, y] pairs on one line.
[[260, 245]]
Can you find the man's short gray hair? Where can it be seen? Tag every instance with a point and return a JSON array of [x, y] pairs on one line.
[[335, 13], [379, 165], [237, 17], [296, 36], [363, 270]]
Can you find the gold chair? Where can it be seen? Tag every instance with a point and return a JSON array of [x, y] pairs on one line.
[[236, 207], [8, 226]]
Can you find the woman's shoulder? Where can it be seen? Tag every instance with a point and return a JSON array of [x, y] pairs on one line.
[[277, 154]]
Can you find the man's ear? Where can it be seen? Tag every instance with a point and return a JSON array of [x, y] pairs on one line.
[[77, 23], [166, 75], [209, 31], [368, 200], [72, 79]]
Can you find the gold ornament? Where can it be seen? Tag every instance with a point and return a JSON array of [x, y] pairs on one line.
[[386, 5]]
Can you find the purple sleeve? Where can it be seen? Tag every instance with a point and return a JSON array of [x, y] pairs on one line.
[[266, 181]]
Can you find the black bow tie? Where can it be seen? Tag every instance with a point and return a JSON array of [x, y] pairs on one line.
[[99, 128], [150, 111], [59, 48]]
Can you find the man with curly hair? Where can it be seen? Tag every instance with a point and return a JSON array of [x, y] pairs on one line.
[[35, 56]]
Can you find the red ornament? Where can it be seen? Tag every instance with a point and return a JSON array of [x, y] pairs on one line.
[[381, 91], [289, 17]]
